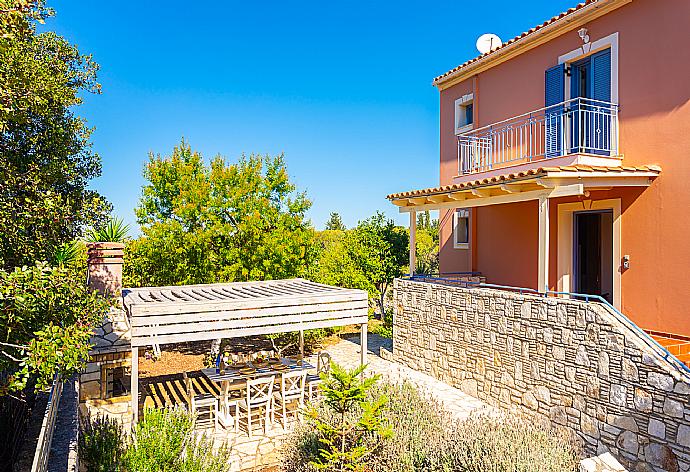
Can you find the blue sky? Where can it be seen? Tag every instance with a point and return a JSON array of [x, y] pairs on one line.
[[342, 88]]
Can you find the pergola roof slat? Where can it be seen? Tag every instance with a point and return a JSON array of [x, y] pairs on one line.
[[242, 332], [162, 320], [174, 314], [267, 321]]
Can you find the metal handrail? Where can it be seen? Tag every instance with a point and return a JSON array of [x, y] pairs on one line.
[[587, 298], [577, 125], [45, 437], [537, 111]]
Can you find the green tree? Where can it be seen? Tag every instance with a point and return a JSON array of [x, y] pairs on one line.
[[346, 433], [335, 264], [218, 222], [46, 318], [46, 160], [379, 249], [335, 223], [427, 244]]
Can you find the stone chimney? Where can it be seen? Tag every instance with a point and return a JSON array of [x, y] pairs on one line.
[[105, 267]]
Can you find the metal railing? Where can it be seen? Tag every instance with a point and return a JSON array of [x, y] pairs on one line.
[[45, 437], [642, 335], [578, 125]]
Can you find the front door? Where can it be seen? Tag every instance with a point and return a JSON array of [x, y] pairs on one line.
[[593, 258]]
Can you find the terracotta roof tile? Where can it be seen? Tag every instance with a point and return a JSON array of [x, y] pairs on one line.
[[516, 38], [536, 172]]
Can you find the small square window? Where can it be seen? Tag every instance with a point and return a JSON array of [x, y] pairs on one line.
[[464, 113], [116, 381], [461, 231]]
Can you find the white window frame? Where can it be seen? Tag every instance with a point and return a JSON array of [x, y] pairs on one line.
[[460, 105], [456, 216], [607, 42]]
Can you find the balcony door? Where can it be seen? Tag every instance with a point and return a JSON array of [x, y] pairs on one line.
[[590, 112], [593, 253]]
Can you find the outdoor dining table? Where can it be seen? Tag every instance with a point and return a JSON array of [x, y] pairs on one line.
[[233, 374]]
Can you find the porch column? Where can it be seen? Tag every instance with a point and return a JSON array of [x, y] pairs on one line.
[[363, 342], [413, 241], [543, 273], [134, 389]]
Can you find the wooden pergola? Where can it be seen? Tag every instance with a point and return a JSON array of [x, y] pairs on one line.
[[174, 314]]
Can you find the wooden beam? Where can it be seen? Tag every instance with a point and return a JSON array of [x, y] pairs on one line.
[[457, 196], [511, 188], [401, 202], [561, 191], [438, 198], [419, 200], [481, 192]]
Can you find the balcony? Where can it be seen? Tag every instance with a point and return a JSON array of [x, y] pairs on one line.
[[577, 127]]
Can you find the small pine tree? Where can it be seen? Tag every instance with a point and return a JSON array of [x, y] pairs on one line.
[[346, 434], [335, 222]]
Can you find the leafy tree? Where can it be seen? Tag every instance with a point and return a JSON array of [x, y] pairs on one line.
[[335, 223], [379, 249], [427, 244], [46, 160], [345, 435], [218, 222], [335, 264], [46, 318]]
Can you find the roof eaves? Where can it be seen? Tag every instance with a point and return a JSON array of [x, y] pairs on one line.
[[554, 23]]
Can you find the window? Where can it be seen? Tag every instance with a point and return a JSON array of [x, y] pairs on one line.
[[464, 113], [116, 381], [461, 231]]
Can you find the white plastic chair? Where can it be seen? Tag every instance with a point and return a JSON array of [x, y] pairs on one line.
[[204, 401], [291, 389], [259, 398], [323, 365]]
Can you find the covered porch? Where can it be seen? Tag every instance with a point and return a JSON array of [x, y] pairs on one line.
[[556, 193]]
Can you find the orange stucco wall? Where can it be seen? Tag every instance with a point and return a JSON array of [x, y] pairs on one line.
[[654, 93]]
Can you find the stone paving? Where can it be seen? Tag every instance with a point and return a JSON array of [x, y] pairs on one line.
[[264, 449], [458, 403]]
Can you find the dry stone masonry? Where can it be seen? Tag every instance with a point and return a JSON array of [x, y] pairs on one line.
[[574, 364]]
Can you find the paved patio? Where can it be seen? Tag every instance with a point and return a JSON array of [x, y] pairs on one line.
[[458, 403], [264, 449]]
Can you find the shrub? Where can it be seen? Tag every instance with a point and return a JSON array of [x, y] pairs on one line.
[[506, 443], [164, 440], [427, 438], [101, 444]]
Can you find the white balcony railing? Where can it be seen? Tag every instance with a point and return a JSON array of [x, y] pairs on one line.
[[576, 126]]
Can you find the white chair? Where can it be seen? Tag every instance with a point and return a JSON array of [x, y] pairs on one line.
[[229, 413], [291, 390], [259, 398], [323, 366], [206, 402]]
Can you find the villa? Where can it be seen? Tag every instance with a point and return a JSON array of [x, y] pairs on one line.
[[564, 160], [563, 212]]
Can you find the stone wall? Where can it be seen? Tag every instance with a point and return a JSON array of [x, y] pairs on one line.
[[575, 364], [111, 348]]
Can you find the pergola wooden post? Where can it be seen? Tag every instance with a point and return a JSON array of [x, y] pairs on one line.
[[166, 315]]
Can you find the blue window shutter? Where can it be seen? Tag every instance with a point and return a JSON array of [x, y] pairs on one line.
[[601, 76], [554, 87]]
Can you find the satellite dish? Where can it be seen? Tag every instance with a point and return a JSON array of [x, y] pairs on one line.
[[488, 42]]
